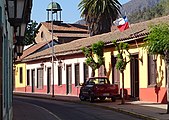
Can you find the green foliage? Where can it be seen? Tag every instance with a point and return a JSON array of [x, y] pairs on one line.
[[161, 9], [97, 49], [122, 56], [99, 14], [30, 34], [157, 42]]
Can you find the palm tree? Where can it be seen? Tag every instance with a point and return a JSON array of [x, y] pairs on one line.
[[99, 14]]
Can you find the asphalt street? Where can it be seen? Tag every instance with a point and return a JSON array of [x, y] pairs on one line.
[[40, 109]]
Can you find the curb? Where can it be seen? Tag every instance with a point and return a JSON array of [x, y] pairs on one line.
[[134, 114]]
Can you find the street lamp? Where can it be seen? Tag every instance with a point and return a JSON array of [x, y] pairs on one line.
[[20, 33], [16, 11], [54, 8], [53, 85], [16, 15]]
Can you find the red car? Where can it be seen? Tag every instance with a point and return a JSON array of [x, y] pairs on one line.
[[98, 87]]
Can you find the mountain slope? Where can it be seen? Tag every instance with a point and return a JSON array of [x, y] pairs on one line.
[[136, 5], [132, 7]]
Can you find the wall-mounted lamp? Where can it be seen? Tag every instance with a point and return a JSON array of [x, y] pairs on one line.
[[155, 57], [61, 63], [42, 64], [20, 33], [16, 70], [14, 67], [141, 59], [15, 11]]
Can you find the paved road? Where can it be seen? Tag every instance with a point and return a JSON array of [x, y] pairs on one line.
[[40, 109]]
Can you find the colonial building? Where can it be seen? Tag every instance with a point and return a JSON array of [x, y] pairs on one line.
[[62, 32], [145, 78], [50, 33]]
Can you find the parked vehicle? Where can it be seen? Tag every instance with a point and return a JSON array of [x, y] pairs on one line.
[[98, 87]]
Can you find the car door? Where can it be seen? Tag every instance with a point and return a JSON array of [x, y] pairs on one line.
[[87, 88]]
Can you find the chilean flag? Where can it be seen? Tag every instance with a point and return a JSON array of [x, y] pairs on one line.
[[122, 23]]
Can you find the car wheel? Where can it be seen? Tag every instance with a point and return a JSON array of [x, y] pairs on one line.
[[82, 97], [91, 99], [113, 99]]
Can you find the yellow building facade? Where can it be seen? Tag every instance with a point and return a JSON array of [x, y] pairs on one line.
[[137, 78], [20, 77]]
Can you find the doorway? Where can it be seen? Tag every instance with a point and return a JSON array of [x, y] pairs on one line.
[[68, 79], [48, 79], [115, 72], [33, 80], [134, 79]]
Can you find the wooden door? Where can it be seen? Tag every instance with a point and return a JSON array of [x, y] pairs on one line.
[[134, 77], [68, 79], [48, 79], [33, 80]]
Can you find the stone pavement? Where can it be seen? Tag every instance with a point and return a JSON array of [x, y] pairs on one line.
[[139, 109]]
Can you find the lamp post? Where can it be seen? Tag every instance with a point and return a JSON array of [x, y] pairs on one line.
[[53, 84], [53, 7]]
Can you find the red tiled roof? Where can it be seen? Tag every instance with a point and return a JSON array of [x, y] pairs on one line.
[[70, 35], [66, 27], [32, 49], [138, 30]]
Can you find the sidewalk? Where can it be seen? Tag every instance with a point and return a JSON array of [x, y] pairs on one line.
[[143, 110]]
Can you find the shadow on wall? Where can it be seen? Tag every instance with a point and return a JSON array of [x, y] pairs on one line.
[[164, 100]]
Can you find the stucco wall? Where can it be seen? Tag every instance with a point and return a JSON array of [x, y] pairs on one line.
[[17, 75]]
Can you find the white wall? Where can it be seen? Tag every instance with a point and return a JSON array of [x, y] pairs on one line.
[[71, 62]]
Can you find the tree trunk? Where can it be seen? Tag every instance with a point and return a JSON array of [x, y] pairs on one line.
[[93, 73], [105, 71], [122, 91], [167, 66]]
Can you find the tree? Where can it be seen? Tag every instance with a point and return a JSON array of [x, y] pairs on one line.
[[30, 33], [122, 61], [157, 42], [99, 14], [97, 49]]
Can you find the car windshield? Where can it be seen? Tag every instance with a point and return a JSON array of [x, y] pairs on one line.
[[98, 81]]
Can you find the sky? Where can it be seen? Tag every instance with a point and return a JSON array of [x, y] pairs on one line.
[[70, 12]]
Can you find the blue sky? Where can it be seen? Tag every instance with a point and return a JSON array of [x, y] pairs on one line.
[[70, 12]]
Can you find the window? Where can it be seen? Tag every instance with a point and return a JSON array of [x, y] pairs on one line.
[[77, 75], [28, 77], [59, 75], [21, 75], [42, 35], [86, 72], [115, 72], [40, 78], [151, 71]]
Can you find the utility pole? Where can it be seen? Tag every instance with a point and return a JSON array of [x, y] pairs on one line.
[[53, 82]]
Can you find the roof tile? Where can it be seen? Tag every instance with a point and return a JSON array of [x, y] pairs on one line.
[[135, 31]]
